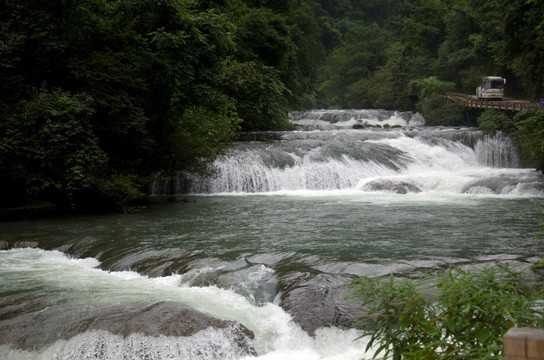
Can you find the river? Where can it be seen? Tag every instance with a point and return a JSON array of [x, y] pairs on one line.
[[271, 242]]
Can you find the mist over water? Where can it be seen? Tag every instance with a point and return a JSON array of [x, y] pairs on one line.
[[270, 242]]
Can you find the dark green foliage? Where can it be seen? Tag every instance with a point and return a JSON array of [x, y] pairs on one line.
[[437, 109], [441, 111], [529, 136], [120, 191], [300, 76], [523, 45], [457, 41], [200, 133], [346, 74], [126, 88], [49, 149], [260, 95], [492, 120], [431, 86], [262, 34], [452, 315], [162, 86]]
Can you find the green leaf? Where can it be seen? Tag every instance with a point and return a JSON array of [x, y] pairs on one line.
[[482, 334]]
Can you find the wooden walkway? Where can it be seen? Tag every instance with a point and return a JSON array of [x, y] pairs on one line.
[[507, 105]]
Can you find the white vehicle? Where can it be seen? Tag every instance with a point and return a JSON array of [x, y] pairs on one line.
[[492, 88]]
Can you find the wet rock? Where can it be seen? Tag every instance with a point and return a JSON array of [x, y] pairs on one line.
[[316, 300], [162, 318], [320, 302], [482, 190], [487, 186], [396, 186], [265, 136], [25, 244], [38, 326]]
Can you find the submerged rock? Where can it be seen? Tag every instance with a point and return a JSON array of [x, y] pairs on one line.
[[396, 186], [25, 244], [320, 302], [488, 186], [29, 328], [162, 318]]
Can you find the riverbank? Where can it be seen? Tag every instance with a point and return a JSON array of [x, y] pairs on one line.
[[30, 210]]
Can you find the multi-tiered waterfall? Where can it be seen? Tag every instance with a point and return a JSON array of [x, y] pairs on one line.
[[255, 262], [363, 150]]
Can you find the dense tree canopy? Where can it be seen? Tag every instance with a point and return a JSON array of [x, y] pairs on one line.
[[457, 41], [98, 96]]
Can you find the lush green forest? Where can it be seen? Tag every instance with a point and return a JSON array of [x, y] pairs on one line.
[[98, 96]]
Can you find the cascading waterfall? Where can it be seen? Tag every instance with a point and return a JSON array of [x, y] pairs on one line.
[[400, 159], [296, 166], [257, 263], [497, 151], [326, 119], [81, 297]]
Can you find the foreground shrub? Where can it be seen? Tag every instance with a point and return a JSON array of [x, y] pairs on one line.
[[455, 315]]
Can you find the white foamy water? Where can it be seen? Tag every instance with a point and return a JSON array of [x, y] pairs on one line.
[[75, 284], [333, 153], [275, 236], [330, 119], [425, 162]]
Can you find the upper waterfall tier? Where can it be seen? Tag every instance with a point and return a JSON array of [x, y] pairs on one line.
[[328, 119], [395, 160]]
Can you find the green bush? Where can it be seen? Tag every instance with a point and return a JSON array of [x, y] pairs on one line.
[[259, 93], [529, 136], [436, 109], [439, 111], [122, 191], [456, 315], [49, 148], [431, 86], [492, 120]]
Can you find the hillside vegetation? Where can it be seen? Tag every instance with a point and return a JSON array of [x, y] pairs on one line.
[[97, 96]]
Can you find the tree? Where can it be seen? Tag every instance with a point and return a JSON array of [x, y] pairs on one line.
[[529, 136], [433, 105], [346, 68], [388, 86], [421, 26], [128, 74], [300, 76], [492, 120], [524, 46], [50, 149], [456, 56], [263, 35], [260, 95]]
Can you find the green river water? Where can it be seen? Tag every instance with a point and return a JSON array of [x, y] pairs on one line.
[[271, 242]]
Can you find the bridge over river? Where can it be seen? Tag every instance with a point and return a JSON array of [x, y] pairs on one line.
[[507, 104]]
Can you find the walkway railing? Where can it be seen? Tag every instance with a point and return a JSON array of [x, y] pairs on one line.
[[524, 344], [472, 102]]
